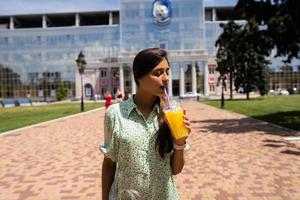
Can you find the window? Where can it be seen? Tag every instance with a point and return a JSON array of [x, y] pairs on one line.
[[103, 90], [127, 83], [103, 74], [70, 92], [40, 93], [115, 73], [295, 87], [88, 92], [212, 88], [162, 45], [3, 41], [187, 67], [211, 70], [52, 92], [115, 90], [39, 40]]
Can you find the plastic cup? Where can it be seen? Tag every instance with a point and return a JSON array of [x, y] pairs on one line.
[[174, 115]]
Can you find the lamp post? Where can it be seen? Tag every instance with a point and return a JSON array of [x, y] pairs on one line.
[[223, 78], [81, 65]]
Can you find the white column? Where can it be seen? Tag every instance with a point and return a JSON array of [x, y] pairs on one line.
[[181, 82], [121, 78], [44, 23], [110, 18], [206, 92], [170, 84], [77, 20], [194, 79], [97, 81], [133, 85], [214, 15], [109, 74], [11, 23]]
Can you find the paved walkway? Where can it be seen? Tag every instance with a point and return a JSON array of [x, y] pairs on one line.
[[231, 157]]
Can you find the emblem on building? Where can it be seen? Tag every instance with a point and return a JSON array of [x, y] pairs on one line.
[[161, 12]]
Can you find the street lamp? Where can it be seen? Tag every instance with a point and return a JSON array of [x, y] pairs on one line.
[[81, 65]]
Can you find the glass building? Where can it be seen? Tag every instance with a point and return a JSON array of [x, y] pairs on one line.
[[38, 51]]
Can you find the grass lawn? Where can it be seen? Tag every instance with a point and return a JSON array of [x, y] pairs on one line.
[[281, 110], [17, 117]]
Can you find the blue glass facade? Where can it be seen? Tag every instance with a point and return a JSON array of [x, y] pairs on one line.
[[185, 31], [183, 36], [43, 59], [212, 31], [40, 60]]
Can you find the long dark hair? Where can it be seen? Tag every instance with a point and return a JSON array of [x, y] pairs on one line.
[[143, 63]]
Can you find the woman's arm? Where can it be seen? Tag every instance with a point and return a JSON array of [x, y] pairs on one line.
[[177, 159], [108, 174]]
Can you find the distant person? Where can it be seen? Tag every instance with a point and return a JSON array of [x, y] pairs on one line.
[[295, 90], [119, 96], [29, 97], [108, 98], [140, 154]]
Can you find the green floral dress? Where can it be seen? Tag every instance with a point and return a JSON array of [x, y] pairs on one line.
[[130, 142]]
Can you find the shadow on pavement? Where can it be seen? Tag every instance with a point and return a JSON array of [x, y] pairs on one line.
[[288, 119], [240, 126], [246, 125], [291, 152], [289, 148]]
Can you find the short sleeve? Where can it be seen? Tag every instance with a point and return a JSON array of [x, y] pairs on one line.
[[110, 148]]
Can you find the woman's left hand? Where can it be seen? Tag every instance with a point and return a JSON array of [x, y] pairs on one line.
[[186, 122]]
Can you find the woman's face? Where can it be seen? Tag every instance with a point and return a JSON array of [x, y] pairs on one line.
[[155, 81]]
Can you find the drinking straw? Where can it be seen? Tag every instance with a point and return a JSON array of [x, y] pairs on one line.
[[168, 98]]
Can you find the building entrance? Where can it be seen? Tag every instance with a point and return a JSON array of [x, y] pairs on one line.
[[88, 90]]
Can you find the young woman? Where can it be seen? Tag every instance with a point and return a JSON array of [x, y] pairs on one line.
[[140, 154]]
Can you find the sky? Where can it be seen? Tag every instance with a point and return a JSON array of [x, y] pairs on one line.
[[14, 7]]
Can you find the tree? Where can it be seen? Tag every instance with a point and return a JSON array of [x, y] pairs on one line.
[[227, 43], [281, 19], [251, 52], [221, 60], [242, 56], [62, 92]]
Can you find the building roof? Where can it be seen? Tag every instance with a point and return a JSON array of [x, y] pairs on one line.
[[34, 7]]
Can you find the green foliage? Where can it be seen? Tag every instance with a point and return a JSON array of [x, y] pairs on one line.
[[252, 63], [242, 56], [281, 20], [227, 43], [62, 92]]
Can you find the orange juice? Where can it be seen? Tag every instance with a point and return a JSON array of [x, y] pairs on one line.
[[175, 120]]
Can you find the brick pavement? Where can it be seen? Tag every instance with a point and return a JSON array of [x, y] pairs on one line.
[[231, 157]]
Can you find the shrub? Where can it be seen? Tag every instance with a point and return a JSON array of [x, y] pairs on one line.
[[62, 92]]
